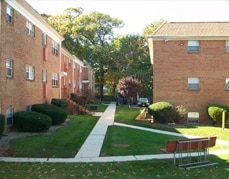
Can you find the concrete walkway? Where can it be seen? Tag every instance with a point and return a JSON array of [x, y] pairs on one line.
[[92, 146], [90, 150]]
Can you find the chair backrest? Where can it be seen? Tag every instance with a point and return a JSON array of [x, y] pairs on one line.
[[171, 146], [193, 144], [212, 141]]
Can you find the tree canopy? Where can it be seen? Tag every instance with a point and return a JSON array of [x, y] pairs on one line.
[[129, 87], [91, 37]]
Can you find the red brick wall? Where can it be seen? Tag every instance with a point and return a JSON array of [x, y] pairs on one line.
[[18, 92], [173, 65]]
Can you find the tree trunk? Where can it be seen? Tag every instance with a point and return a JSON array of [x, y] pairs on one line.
[[101, 83]]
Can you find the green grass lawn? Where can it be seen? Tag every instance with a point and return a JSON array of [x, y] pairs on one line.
[[121, 141], [150, 169], [66, 141], [101, 107]]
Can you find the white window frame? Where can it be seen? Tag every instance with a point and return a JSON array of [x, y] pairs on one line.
[[227, 84], [193, 83], [30, 72], [193, 45], [30, 28], [54, 79], [227, 45], [55, 48], [44, 39], [44, 76], [9, 68], [9, 14]]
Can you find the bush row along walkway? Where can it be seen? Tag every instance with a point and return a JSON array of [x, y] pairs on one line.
[[90, 150]]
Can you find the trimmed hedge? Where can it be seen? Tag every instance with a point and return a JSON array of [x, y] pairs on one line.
[[2, 124], [162, 112], [214, 112], [31, 121], [57, 114], [61, 103]]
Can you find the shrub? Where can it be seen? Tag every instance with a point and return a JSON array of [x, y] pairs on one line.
[[31, 121], [214, 112], [163, 112], [73, 97], [61, 103], [58, 115], [82, 100], [181, 112], [2, 124]]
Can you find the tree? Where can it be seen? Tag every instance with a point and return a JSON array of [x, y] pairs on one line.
[[129, 87], [131, 58], [151, 28], [88, 36]]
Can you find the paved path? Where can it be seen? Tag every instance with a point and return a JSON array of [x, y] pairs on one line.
[[90, 150], [92, 146]]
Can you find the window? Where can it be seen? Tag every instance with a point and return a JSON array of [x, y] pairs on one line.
[[193, 118], [193, 46], [30, 28], [54, 79], [227, 45], [9, 117], [30, 72], [9, 68], [44, 39], [55, 48], [44, 76], [227, 83], [193, 83], [9, 14]]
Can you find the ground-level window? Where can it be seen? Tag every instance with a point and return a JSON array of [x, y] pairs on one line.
[[55, 79], [193, 46], [9, 117], [193, 118], [193, 83]]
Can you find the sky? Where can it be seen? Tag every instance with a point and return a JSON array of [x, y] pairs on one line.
[[137, 14]]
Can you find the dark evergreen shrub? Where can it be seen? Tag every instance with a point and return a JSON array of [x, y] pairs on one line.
[[31, 121], [162, 112], [108, 98], [215, 111], [61, 103], [73, 97], [57, 114], [2, 124]]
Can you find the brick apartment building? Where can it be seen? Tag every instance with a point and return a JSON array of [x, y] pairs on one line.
[[76, 76], [31, 64], [190, 65]]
